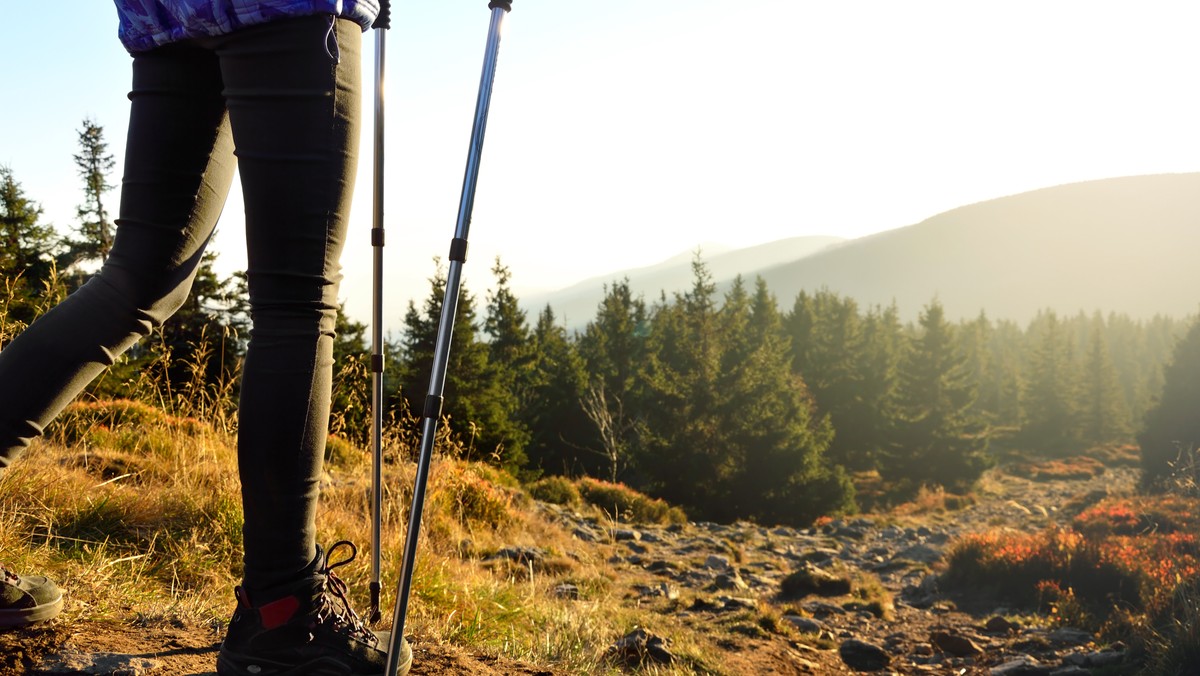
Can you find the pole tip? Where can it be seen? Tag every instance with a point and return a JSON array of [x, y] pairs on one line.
[[375, 614]]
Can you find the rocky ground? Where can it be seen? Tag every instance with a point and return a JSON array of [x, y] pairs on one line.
[[927, 631], [710, 575]]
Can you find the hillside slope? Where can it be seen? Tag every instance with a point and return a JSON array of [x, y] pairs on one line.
[[1118, 245]]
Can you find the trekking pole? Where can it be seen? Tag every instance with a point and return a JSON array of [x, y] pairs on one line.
[[432, 411], [382, 24]]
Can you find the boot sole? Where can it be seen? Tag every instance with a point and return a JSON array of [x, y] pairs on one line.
[[20, 617], [241, 665]]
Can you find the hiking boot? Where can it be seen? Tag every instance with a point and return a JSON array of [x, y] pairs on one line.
[[306, 628], [26, 599]]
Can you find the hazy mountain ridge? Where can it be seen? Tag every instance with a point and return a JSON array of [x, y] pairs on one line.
[[1116, 245], [576, 304]]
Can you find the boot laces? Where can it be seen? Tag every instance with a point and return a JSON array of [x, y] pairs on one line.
[[335, 606], [8, 577]]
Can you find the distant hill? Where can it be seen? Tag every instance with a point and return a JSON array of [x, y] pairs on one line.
[[1126, 245], [577, 304]]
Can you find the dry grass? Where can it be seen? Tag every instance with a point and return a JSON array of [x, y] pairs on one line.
[[133, 516], [1127, 567], [137, 513], [1065, 469], [934, 500]]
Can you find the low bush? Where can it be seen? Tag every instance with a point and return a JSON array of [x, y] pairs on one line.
[[625, 504], [556, 490]]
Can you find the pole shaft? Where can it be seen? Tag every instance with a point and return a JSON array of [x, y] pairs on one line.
[[437, 379], [377, 332]]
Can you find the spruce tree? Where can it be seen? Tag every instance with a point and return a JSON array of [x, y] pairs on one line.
[[874, 412], [683, 454], [1104, 417], [95, 230], [613, 348], [26, 253], [829, 352], [560, 432], [1005, 382], [506, 328], [1170, 438], [782, 473], [1050, 398], [730, 430], [474, 399], [509, 353], [937, 439]]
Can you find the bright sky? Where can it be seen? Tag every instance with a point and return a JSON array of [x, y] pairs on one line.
[[624, 132]]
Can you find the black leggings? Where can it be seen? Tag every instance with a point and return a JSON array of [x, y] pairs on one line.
[[284, 98]]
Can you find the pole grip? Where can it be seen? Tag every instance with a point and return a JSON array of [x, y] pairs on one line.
[[384, 18], [506, 5]]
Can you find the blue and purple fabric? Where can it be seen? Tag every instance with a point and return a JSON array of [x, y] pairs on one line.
[[146, 24]]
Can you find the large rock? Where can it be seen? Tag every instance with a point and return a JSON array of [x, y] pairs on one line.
[[638, 648], [954, 644], [863, 656], [813, 580]]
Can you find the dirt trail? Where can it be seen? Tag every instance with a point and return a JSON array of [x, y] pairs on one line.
[[106, 649]]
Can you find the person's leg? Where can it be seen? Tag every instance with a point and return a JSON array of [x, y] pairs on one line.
[[294, 110], [178, 168]]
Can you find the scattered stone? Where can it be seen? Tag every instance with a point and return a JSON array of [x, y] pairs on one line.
[[728, 581], [862, 656], [523, 555], [804, 625], [625, 534], [637, 548], [663, 590], [818, 555], [1070, 636], [919, 553], [821, 609], [954, 644], [1021, 666], [661, 566], [998, 625], [566, 591], [586, 534], [730, 603], [638, 648], [1102, 659], [715, 562]]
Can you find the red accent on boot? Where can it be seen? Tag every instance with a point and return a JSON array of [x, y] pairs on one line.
[[277, 613]]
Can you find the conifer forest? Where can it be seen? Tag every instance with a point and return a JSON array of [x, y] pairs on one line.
[[733, 405]]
